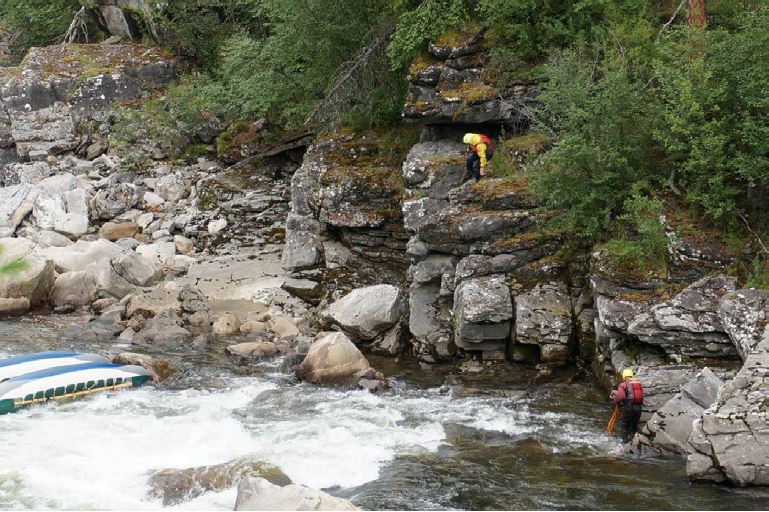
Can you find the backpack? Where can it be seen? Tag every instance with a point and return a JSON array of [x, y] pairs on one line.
[[634, 392]]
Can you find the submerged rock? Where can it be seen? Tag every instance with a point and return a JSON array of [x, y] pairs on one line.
[[161, 370], [175, 486], [333, 359], [260, 494]]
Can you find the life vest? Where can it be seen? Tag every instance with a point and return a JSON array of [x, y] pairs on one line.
[[484, 140], [634, 392]]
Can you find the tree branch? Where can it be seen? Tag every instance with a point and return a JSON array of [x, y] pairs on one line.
[[752, 232]]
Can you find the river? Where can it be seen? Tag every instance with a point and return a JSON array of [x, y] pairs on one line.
[[419, 446]]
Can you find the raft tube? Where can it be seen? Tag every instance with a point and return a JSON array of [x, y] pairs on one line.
[[19, 365], [68, 382]]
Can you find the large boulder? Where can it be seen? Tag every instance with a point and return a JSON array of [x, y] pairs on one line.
[[172, 188], [136, 270], [731, 441], [430, 322], [82, 254], [366, 312], [76, 288], [65, 213], [669, 428], [333, 359], [110, 202], [483, 311], [260, 494], [160, 254], [543, 318], [34, 280]]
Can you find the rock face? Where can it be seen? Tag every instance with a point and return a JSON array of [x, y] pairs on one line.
[[483, 311], [366, 312], [333, 359], [53, 91], [449, 87], [543, 318], [731, 441], [260, 494], [742, 314], [669, 429]]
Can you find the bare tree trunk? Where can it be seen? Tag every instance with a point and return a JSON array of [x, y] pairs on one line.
[[697, 11]]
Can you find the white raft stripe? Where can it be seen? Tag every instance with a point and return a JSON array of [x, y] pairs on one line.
[[34, 365]]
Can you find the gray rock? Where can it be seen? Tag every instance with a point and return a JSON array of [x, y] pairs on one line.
[[366, 312], [669, 429], [160, 254], [743, 313], [430, 322], [303, 247], [136, 270], [17, 306], [260, 494], [16, 202], [161, 370], [543, 317], [483, 312], [172, 188], [82, 254], [66, 212], [114, 200], [227, 324], [731, 443], [165, 327]]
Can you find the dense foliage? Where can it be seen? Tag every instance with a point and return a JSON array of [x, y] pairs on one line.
[[36, 22]]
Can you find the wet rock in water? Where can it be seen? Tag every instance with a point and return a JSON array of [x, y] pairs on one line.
[[743, 314], [366, 312], [731, 441], [669, 429], [390, 342], [161, 370], [32, 282], [10, 307], [175, 486], [543, 318], [260, 494], [92, 332], [333, 359], [483, 309], [252, 350], [227, 324], [78, 288]]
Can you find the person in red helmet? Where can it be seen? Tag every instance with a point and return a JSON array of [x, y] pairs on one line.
[[629, 395], [480, 149]]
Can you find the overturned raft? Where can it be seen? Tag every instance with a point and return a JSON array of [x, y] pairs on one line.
[[66, 381]]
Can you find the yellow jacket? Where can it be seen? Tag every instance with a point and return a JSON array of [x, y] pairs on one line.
[[479, 148]]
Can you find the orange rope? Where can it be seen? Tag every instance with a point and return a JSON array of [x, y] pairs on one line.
[[612, 420]]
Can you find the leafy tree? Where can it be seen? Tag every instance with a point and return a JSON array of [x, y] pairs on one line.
[[37, 22]]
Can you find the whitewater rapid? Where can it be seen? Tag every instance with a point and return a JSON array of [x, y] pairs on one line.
[[97, 453]]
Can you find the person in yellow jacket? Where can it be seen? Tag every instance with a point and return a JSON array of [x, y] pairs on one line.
[[480, 149]]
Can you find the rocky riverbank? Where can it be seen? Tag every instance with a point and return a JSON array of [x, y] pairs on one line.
[[360, 244]]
